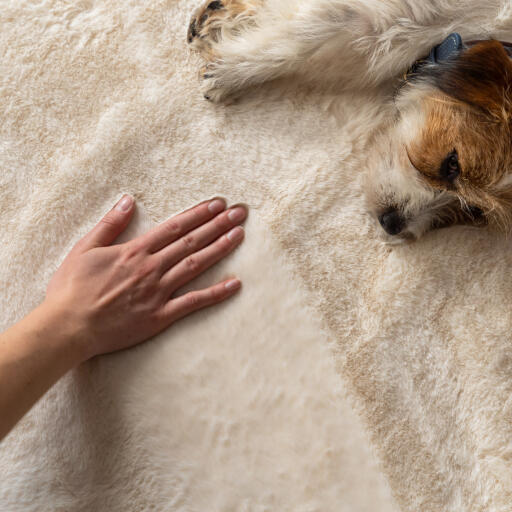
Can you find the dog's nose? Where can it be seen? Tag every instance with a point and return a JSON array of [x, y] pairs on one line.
[[392, 222]]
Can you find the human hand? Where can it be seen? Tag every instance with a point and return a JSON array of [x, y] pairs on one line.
[[111, 297]]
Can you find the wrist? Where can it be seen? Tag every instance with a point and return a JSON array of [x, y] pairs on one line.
[[34, 354], [57, 325]]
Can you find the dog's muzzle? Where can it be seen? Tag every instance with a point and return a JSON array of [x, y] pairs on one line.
[[392, 222]]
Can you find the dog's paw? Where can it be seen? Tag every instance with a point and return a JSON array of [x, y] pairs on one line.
[[208, 25], [213, 87]]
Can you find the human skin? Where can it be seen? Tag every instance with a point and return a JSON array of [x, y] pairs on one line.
[[105, 297]]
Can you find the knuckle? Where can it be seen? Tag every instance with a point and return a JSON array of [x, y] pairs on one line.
[[222, 222], [172, 227], [157, 318], [222, 247], [192, 264], [137, 248], [225, 244], [145, 270], [215, 294], [193, 300], [188, 242], [195, 214], [130, 253], [160, 263], [110, 219]]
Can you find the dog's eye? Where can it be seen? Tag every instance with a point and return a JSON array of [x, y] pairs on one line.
[[450, 168], [475, 212]]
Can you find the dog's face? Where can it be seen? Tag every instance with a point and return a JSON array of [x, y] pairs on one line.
[[448, 157]]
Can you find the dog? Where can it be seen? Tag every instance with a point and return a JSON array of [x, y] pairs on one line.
[[446, 157]]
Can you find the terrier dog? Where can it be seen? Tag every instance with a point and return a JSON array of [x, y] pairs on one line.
[[447, 156]]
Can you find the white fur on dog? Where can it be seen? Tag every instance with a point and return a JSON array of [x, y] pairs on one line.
[[353, 42], [239, 409]]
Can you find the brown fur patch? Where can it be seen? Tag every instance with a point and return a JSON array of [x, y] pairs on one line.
[[472, 115], [207, 22], [481, 77]]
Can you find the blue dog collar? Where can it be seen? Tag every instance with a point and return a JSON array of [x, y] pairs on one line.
[[449, 48]]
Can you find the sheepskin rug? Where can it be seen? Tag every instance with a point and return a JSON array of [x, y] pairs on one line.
[[348, 376]]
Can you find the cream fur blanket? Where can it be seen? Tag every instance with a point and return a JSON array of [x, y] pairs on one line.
[[348, 376]]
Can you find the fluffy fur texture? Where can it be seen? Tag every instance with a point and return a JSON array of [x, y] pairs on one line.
[[101, 98], [453, 115], [220, 413]]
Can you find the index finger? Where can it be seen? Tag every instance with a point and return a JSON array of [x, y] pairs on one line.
[[179, 225]]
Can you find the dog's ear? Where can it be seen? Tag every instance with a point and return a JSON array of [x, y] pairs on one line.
[[480, 76]]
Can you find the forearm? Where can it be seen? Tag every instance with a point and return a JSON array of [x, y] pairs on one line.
[[34, 354]]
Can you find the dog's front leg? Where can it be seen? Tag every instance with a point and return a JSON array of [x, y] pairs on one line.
[[266, 40], [351, 42]]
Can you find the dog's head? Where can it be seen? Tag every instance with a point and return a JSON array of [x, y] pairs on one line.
[[447, 158]]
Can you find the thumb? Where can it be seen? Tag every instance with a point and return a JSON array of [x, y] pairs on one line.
[[110, 226]]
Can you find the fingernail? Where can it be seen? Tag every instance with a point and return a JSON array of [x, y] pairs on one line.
[[216, 206], [125, 204], [233, 284], [237, 214], [235, 234]]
